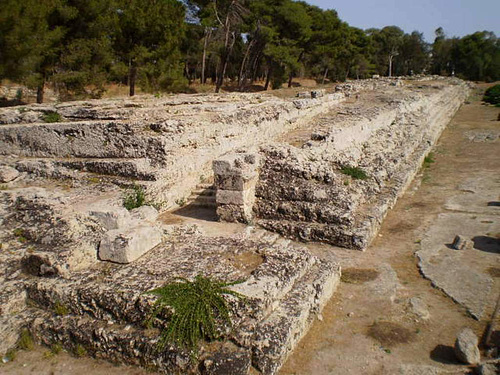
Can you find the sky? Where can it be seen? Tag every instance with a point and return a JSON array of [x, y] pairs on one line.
[[456, 17]]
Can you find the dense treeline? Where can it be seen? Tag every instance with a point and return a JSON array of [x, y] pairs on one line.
[[80, 45]]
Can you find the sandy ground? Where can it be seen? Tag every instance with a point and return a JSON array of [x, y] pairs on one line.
[[370, 326]]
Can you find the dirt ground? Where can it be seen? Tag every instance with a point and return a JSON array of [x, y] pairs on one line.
[[385, 318]]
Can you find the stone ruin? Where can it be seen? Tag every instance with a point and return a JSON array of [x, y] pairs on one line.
[[77, 264]]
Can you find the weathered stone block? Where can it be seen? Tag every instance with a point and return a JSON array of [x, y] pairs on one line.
[[7, 174], [230, 197], [111, 217], [232, 182], [125, 246], [147, 213]]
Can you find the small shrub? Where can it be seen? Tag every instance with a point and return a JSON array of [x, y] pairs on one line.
[[355, 172], [492, 95], [4, 187], [19, 94], [200, 311], [25, 340], [51, 116], [80, 351], [60, 309], [181, 202], [428, 160], [134, 198]]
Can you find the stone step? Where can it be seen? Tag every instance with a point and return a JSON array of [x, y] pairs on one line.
[[137, 169], [207, 201], [266, 341], [119, 294], [204, 192], [305, 231], [274, 338]]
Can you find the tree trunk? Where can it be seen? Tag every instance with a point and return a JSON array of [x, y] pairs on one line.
[[132, 78], [390, 65], [324, 76], [203, 61], [39, 92], [268, 78], [290, 79], [241, 77]]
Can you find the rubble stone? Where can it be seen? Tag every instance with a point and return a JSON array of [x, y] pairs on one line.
[[466, 347], [459, 243]]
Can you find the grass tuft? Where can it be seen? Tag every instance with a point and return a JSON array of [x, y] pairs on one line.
[[25, 340], [134, 198], [200, 311], [51, 116], [355, 172], [80, 351]]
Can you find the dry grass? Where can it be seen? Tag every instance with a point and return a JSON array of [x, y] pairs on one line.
[[358, 275], [493, 271]]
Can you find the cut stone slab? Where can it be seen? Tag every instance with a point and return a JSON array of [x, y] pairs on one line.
[[8, 174], [460, 274], [466, 347], [126, 245], [111, 217]]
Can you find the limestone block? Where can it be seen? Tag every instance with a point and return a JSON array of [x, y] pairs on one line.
[[125, 246], [230, 197], [232, 213], [7, 174], [317, 93], [148, 213], [240, 183], [111, 217], [237, 164]]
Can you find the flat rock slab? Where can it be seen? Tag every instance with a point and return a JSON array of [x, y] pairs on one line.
[[461, 274]]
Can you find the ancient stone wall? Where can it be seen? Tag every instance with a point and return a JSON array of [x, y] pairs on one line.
[[308, 193]]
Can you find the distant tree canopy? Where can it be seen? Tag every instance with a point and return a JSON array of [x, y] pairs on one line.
[[164, 45]]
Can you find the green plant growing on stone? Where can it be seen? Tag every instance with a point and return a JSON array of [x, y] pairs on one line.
[[25, 340], [19, 94], [10, 355], [55, 349], [134, 198], [51, 116], [355, 172], [200, 311], [19, 234], [60, 309]]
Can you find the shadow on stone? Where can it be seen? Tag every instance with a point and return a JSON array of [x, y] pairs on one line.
[[444, 354], [199, 213], [487, 244], [493, 204]]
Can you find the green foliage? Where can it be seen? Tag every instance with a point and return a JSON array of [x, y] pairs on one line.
[[355, 172], [134, 198], [51, 116], [492, 95], [25, 340], [428, 160], [10, 355], [80, 351], [200, 311], [60, 309], [20, 235], [55, 349]]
